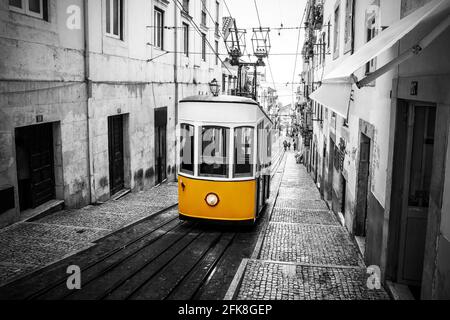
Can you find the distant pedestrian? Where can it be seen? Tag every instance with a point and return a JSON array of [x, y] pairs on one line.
[[285, 144], [295, 146], [289, 146]]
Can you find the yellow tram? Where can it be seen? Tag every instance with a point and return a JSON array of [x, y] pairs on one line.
[[224, 158]]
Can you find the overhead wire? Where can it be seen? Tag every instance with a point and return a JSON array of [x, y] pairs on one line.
[[212, 19], [268, 61], [228, 9], [247, 29], [180, 6], [296, 56]]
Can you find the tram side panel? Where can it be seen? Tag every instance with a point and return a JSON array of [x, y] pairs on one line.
[[236, 199]]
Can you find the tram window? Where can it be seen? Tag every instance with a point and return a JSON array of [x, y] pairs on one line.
[[243, 152], [214, 156], [187, 148]]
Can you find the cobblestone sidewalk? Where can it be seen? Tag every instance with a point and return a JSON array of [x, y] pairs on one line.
[[28, 246], [306, 254]]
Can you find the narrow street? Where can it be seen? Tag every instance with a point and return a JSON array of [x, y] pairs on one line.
[[157, 257], [224, 150], [304, 253]]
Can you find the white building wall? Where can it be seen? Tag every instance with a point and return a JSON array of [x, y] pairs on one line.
[[371, 104], [43, 71], [42, 74]]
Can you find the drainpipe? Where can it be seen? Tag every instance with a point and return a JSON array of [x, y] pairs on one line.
[[91, 183], [175, 74]]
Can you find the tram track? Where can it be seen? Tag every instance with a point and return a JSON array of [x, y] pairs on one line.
[[104, 267], [62, 281], [173, 260]]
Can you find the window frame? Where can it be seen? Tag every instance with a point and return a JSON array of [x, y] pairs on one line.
[[185, 6], [371, 33], [336, 31], [194, 129], [26, 9], [226, 144], [203, 19], [217, 25], [349, 34], [120, 20], [185, 39], [217, 51], [158, 29], [203, 47], [252, 154]]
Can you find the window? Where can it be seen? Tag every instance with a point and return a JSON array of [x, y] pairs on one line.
[[34, 8], [187, 148], [328, 35], [217, 52], [333, 119], [322, 46], [203, 21], [336, 32], [203, 46], [186, 39], [186, 6], [224, 79], [371, 33], [214, 152], [243, 152], [159, 28], [114, 18], [217, 18], [348, 35]]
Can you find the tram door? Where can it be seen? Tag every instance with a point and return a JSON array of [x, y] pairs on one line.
[[259, 167], [268, 160], [160, 144]]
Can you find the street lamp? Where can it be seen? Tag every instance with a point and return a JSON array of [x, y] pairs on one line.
[[214, 87]]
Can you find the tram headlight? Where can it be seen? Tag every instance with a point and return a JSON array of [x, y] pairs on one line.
[[212, 199]]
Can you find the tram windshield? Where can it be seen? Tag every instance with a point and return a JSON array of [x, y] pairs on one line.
[[214, 152], [243, 152], [187, 148]]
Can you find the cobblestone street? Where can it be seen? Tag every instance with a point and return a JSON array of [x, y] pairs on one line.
[[306, 253]]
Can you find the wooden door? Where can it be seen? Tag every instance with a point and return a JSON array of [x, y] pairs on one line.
[[416, 192], [40, 144], [160, 144], [331, 170], [35, 165], [116, 156], [363, 186]]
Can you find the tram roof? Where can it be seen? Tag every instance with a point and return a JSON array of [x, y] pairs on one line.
[[225, 99]]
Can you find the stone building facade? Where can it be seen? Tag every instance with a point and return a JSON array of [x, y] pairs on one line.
[[89, 95], [380, 128]]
